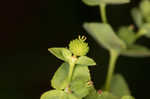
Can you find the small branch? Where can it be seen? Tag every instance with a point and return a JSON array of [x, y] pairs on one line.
[[112, 62], [103, 12]]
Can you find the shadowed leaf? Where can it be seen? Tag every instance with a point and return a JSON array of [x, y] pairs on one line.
[[136, 51], [127, 35], [137, 16], [105, 36], [119, 86], [98, 2]]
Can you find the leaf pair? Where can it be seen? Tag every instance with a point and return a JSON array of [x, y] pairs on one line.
[[78, 87], [65, 55], [144, 28], [98, 2], [129, 37], [79, 84], [105, 36]]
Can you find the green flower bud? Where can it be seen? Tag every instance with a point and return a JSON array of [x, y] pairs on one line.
[[79, 47]]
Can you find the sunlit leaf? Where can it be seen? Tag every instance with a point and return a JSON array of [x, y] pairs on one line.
[[84, 60], [80, 88], [127, 97], [119, 86], [57, 94], [98, 2], [105, 36], [59, 79], [80, 79], [61, 53], [81, 73], [136, 51]]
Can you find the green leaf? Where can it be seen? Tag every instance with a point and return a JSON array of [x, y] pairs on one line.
[[81, 73], [57, 94], [104, 95], [127, 35], [92, 94], [79, 84], [127, 97], [80, 78], [61, 53], [59, 79], [137, 16], [145, 9], [80, 88], [107, 95], [145, 30], [84, 60], [98, 2], [136, 51], [92, 2], [105, 36], [119, 86]]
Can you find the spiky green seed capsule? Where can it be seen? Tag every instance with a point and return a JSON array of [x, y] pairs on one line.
[[79, 47]]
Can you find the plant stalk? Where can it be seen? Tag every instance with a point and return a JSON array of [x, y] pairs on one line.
[[71, 68], [112, 62], [103, 12]]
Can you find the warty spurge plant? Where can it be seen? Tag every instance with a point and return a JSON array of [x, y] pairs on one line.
[[72, 79]]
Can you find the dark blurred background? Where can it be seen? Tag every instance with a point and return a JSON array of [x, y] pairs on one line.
[[29, 27]]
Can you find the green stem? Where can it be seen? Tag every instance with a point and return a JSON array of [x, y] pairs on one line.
[[103, 12], [112, 62], [71, 67]]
